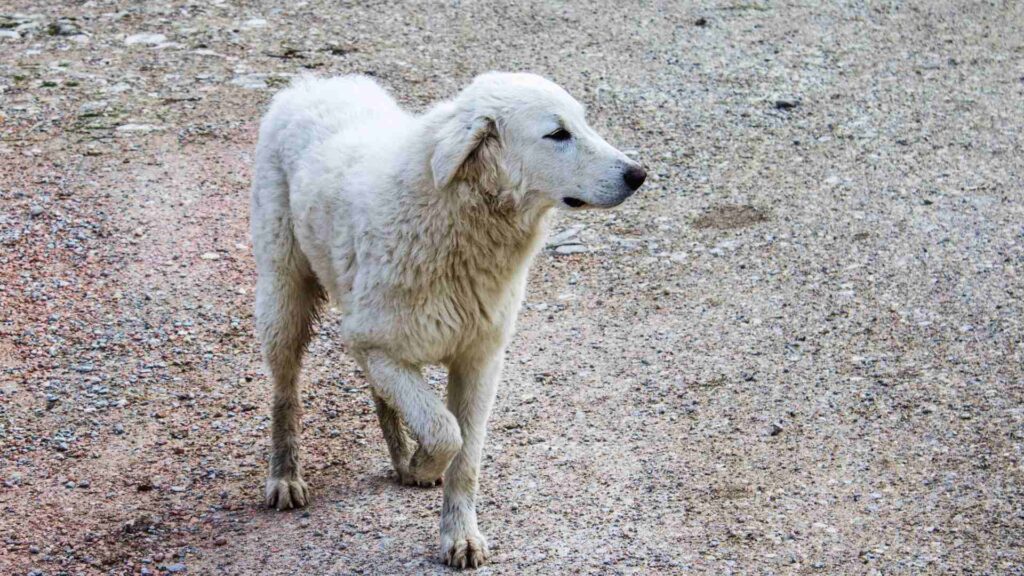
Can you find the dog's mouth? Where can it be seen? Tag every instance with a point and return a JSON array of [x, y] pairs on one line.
[[577, 203]]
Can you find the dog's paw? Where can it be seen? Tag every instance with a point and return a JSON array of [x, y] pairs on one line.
[[425, 469], [285, 493], [464, 551], [408, 478]]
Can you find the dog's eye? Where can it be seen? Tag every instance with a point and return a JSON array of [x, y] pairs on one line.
[[559, 135]]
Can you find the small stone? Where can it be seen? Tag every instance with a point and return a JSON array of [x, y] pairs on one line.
[[210, 256], [35, 210], [567, 249], [786, 103], [90, 109], [565, 236], [138, 128], [63, 27], [254, 23], [146, 39], [174, 568], [251, 81], [775, 429]]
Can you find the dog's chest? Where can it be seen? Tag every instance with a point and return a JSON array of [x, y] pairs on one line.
[[469, 302], [441, 289]]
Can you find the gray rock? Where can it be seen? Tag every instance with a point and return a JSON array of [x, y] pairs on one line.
[[145, 39], [138, 128], [63, 27], [92, 108], [565, 236], [251, 81], [567, 249]]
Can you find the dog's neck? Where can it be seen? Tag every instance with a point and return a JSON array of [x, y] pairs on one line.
[[487, 231], [480, 235]]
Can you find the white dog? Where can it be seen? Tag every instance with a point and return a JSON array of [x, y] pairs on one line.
[[421, 230]]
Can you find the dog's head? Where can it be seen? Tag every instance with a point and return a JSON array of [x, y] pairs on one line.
[[523, 134]]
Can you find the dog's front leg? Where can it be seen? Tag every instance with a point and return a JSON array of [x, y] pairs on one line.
[[402, 388], [472, 382]]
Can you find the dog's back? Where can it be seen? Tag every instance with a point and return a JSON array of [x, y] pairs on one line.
[[314, 109], [304, 116]]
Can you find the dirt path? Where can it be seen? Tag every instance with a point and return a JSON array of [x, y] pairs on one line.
[[798, 351]]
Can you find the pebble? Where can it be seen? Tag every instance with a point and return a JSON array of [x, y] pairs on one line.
[[567, 249], [251, 81], [565, 236], [92, 108], [63, 27], [139, 128], [786, 104], [174, 568], [146, 39]]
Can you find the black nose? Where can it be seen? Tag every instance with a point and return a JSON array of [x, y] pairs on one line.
[[634, 177]]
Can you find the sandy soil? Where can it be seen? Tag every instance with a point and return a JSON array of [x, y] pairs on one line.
[[797, 351]]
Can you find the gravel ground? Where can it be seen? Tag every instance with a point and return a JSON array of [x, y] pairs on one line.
[[797, 351]]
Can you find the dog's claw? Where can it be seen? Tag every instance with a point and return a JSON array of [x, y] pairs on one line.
[[283, 494], [467, 552]]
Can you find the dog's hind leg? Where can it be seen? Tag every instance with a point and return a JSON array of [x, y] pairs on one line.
[[287, 301], [286, 307], [401, 387], [399, 443]]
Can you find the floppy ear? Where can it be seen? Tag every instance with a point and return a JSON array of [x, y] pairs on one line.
[[466, 150]]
